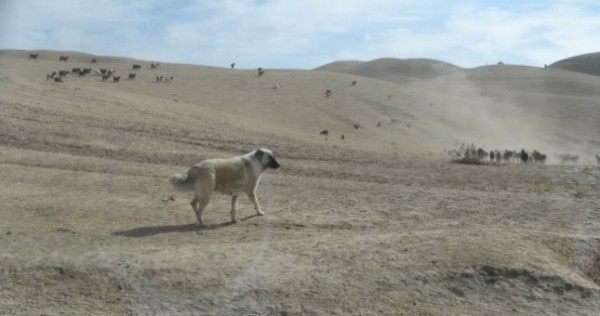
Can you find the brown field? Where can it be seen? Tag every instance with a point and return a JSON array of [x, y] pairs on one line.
[[380, 223]]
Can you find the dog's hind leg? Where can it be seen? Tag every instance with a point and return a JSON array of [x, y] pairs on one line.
[[234, 200], [252, 196], [203, 190], [197, 211]]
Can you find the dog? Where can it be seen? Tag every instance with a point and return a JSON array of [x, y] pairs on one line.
[[231, 176]]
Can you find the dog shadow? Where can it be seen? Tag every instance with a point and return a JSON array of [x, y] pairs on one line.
[[146, 231]]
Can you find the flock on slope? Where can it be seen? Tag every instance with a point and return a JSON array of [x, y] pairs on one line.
[[464, 154]]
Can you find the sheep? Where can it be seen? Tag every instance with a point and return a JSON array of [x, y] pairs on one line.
[[131, 76], [136, 67], [105, 77], [63, 73], [260, 71], [324, 132], [58, 79], [63, 58], [75, 70], [356, 126], [328, 93], [154, 66], [116, 78], [33, 56], [50, 75]]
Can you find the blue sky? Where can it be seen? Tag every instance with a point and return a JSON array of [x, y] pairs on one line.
[[305, 34]]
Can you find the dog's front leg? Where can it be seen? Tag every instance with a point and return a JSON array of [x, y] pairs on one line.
[[252, 197], [234, 200]]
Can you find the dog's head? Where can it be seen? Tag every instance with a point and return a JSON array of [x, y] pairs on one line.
[[266, 158]]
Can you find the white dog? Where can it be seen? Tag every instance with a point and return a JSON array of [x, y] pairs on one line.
[[231, 176]]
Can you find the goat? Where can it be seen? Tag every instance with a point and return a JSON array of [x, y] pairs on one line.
[[343, 137], [136, 67], [356, 126], [260, 71], [538, 157], [328, 93], [63, 58], [131, 76], [154, 66], [94, 60], [105, 77], [324, 132], [33, 56], [232, 65], [524, 156], [50, 75], [75, 70], [63, 73], [354, 83], [116, 78], [58, 79]]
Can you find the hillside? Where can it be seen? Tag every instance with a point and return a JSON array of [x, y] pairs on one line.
[[394, 69], [377, 223], [587, 64]]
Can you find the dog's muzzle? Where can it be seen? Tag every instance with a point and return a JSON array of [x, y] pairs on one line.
[[273, 164]]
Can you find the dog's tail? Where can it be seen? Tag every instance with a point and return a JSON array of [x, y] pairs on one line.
[[181, 181]]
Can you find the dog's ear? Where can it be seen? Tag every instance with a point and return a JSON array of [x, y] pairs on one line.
[[259, 154]]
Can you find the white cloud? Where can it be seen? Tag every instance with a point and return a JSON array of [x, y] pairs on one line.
[[305, 34]]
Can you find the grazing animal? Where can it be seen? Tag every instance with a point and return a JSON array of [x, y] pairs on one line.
[[94, 60], [328, 93], [105, 77], [277, 86], [50, 75], [324, 132], [63, 73], [75, 70], [63, 58], [136, 67], [379, 124], [116, 78], [492, 155], [232, 65], [356, 126], [131, 76], [390, 96], [481, 153], [354, 83], [538, 157], [567, 158], [260, 71], [154, 66], [240, 174], [58, 79], [33, 56], [343, 137], [524, 156]]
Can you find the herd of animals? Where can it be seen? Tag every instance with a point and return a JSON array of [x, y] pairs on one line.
[[483, 155], [106, 73]]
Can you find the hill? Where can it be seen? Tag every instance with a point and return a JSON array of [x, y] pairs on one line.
[[394, 69], [377, 223], [587, 64]]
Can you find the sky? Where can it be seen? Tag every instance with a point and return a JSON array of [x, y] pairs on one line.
[[305, 34]]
